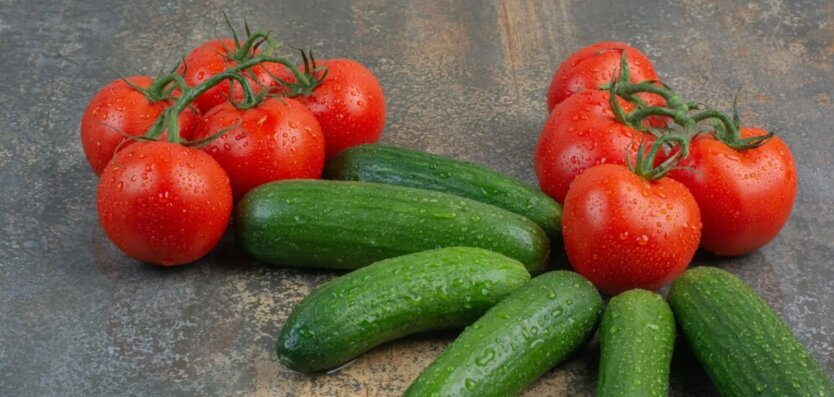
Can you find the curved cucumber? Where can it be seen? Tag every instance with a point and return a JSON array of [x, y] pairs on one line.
[[744, 346], [516, 341], [445, 288], [399, 166], [347, 225], [637, 336]]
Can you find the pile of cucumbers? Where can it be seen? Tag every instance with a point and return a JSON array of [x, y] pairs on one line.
[[435, 243]]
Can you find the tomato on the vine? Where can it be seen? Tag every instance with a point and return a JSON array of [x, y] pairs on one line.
[[745, 196], [277, 139], [163, 203], [597, 64], [622, 231], [120, 110], [581, 132], [348, 104], [216, 56]]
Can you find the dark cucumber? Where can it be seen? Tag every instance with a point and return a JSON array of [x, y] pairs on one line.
[[399, 166], [637, 336], [516, 341], [347, 225], [742, 344], [445, 288]]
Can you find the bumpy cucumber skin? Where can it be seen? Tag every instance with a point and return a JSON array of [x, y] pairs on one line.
[[744, 346], [637, 337], [404, 167], [438, 289], [516, 341], [347, 225]]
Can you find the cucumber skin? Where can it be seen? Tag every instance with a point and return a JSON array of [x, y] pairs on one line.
[[347, 225], [404, 167], [742, 344], [637, 337], [516, 341], [439, 289]]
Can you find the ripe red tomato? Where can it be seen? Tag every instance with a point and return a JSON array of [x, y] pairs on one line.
[[213, 57], [582, 132], [118, 110], [348, 104], [745, 196], [277, 139], [164, 203], [622, 231], [595, 65]]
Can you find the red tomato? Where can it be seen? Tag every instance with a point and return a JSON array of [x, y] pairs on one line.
[[164, 203], [348, 104], [278, 139], [745, 196], [213, 57], [582, 132], [595, 65], [118, 110], [622, 231]]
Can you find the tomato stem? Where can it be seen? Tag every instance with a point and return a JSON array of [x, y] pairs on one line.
[[727, 129], [245, 59]]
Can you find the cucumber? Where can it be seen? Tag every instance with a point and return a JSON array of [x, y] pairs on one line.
[[444, 288], [399, 166], [347, 225], [637, 336], [742, 344], [516, 341]]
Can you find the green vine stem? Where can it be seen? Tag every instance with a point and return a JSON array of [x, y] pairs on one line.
[[188, 94], [727, 129]]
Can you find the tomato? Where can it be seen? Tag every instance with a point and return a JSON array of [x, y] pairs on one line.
[[745, 196], [213, 57], [348, 104], [118, 110], [163, 203], [277, 139], [622, 231], [582, 132], [595, 65]]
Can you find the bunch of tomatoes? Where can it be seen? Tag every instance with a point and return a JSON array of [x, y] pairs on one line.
[[644, 183], [175, 152]]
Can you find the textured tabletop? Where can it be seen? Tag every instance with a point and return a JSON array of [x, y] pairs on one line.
[[462, 78]]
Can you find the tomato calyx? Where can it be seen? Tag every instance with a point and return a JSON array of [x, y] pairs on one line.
[[644, 164], [728, 130], [306, 81]]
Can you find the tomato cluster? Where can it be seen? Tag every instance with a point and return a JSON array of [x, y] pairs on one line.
[[175, 152], [638, 205]]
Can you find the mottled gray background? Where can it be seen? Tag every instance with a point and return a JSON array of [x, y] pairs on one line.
[[462, 78]]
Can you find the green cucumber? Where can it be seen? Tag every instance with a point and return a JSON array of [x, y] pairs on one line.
[[399, 166], [444, 288], [742, 344], [516, 341], [637, 337], [347, 225]]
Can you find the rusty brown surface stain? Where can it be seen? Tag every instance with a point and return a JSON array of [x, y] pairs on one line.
[[823, 99], [762, 98]]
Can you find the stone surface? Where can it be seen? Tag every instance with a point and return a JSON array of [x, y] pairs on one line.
[[464, 79]]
